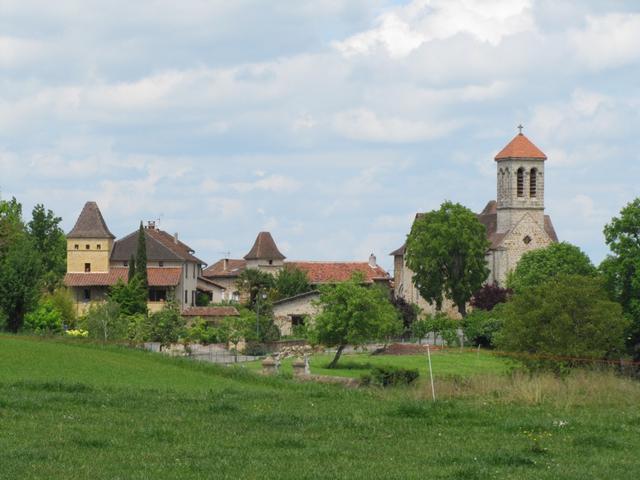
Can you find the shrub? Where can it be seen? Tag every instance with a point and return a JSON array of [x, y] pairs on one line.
[[389, 376], [256, 349], [62, 300], [45, 319], [481, 326], [201, 332], [167, 325], [489, 296], [77, 333], [440, 325], [104, 322]]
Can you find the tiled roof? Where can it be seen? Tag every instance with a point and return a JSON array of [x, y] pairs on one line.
[[210, 312], [205, 283], [161, 246], [90, 224], [332, 272], [264, 248], [234, 268], [157, 277], [311, 293], [520, 147]]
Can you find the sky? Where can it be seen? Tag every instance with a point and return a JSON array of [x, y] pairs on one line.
[[329, 123]]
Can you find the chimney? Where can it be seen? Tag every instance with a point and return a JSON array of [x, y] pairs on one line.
[[175, 238], [372, 261], [225, 264]]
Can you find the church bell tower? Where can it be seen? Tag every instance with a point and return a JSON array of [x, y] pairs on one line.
[[520, 183]]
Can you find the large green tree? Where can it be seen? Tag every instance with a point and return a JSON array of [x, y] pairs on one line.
[[622, 268], [567, 315], [353, 314], [141, 258], [253, 282], [131, 297], [539, 265], [446, 251], [49, 239], [291, 281]]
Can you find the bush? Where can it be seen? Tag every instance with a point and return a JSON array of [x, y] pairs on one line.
[[440, 325], [167, 325], [256, 349], [62, 300], [46, 319], [201, 332], [481, 326], [390, 376], [104, 322]]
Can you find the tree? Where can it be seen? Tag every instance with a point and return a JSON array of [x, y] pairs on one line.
[[352, 314], [45, 319], [141, 258], [489, 296], [49, 239], [568, 315], [537, 266], [167, 325], [104, 321], [622, 268], [291, 281], [131, 297], [408, 314], [253, 282], [481, 326], [446, 251], [132, 268], [20, 286]]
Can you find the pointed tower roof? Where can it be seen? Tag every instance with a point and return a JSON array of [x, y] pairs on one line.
[[520, 147], [264, 248], [90, 224]]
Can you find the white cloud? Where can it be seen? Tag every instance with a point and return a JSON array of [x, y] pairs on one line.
[[607, 41], [271, 183], [401, 30]]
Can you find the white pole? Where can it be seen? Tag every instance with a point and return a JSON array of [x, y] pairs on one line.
[[433, 390]]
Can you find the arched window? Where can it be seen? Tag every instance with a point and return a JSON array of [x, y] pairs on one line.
[[533, 176], [521, 182]]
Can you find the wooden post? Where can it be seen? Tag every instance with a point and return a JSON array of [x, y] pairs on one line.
[[433, 390]]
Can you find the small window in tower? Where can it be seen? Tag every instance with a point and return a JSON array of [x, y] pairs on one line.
[[87, 246], [527, 240], [532, 182], [87, 267], [270, 262], [521, 182], [98, 246], [161, 264], [125, 264], [76, 247]]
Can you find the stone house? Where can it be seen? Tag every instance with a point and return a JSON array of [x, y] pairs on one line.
[[265, 256], [97, 261], [515, 222]]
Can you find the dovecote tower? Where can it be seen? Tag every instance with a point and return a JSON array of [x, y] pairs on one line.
[[520, 182], [89, 242], [264, 254]]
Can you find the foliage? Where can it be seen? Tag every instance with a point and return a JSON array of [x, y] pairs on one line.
[[132, 268], [390, 376], [481, 326], [408, 314], [138, 327], [141, 257], [255, 349], [249, 327], [104, 322], [443, 326], [352, 314], [49, 240], [536, 266], [62, 300], [253, 282], [131, 297], [291, 281], [201, 332], [20, 286], [167, 325], [446, 251], [568, 315], [234, 329], [77, 333], [490, 295], [202, 299], [46, 319], [622, 268]]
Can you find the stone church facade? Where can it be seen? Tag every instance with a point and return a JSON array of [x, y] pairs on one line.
[[515, 222]]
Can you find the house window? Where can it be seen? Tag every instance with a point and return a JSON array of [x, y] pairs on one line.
[[87, 294], [193, 297], [297, 320], [186, 296], [157, 295], [532, 182], [521, 182], [270, 262], [186, 271], [194, 270], [87, 267], [76, 247], [98, 246], [87, 246]]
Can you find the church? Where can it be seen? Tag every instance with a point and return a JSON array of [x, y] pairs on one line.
[[516, 222]]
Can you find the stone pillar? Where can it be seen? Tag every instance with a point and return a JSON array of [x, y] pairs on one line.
[[268, 366], [298, 368]]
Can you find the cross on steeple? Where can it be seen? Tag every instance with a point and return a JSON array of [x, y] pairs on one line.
[[520, 127]]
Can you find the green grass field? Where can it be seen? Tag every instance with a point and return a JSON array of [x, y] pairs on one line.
[[75, 410]]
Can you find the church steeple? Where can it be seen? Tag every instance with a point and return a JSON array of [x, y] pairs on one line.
[[520, 182]]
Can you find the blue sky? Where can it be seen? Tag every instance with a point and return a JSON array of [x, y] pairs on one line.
[[327, 122]]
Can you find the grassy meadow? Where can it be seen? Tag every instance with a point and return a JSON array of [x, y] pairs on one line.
[[76, 410]]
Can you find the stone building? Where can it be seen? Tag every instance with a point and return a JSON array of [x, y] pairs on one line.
[[96, 261], [515, 222]]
